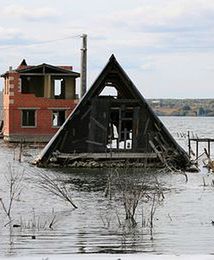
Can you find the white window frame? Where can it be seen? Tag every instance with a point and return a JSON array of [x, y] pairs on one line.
[[57, 111]]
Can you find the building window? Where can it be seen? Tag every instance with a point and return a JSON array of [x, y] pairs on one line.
[[58, 118], [29, 118], [59, 89]]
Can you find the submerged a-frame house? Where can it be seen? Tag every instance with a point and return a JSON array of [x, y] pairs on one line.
[[113, 122]]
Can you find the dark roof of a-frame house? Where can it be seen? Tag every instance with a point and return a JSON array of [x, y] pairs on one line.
[[88, 127]]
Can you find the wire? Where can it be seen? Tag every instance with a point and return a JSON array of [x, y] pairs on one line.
[[40, 43]]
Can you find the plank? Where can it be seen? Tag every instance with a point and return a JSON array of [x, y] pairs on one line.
[[112, 155], [156, 151]]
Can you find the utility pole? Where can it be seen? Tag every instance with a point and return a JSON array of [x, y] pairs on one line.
[[83, 69]]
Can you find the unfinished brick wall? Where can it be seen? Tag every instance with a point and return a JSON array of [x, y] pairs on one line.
[[13, 104]]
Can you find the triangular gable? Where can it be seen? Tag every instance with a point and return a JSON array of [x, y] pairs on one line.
[[112, 68], [85, 130], [46, 68], [23, 63]]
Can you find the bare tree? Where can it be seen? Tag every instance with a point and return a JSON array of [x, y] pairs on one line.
[[156, 197], [133, 190], [49, 183], [14, 180]]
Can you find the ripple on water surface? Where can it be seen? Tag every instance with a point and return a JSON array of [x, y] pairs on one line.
[[182, 223]]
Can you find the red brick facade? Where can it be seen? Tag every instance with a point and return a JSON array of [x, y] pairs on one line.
[[15, 102]]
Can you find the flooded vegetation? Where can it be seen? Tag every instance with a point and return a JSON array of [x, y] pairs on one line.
[[112, 210]]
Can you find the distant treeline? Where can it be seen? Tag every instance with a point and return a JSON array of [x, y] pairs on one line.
[[182, 107], [171, 107]]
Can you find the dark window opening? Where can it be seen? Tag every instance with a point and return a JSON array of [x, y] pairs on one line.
[[28, 118], [32, 85], [58, 118]]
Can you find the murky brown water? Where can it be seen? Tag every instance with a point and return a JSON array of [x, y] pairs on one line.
[[182, 222]]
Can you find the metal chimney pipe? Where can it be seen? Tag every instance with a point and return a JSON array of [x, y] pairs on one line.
[[83, 72]]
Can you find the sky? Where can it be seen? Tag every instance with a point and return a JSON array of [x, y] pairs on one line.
[[165, 46]]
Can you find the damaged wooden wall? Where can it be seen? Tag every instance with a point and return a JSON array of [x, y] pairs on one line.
[[119, 120]]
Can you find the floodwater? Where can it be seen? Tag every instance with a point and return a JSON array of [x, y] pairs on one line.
[[44, 224]]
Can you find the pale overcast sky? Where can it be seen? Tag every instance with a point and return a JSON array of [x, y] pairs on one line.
[[165, 46]]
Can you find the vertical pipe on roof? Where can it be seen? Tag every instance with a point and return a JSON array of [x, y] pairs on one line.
[[83, 72]]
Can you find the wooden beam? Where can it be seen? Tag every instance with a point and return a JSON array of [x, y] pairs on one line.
[[109, 155], [51, 74], [202, 140], [99, 124], [86, 113], [93, 142], [146, 126], [209, 147], [156, 151]]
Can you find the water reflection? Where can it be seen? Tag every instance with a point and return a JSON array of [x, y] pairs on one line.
[[182, 223], [98, 225]]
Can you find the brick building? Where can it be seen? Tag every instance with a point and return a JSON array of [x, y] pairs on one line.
[[37, 100]]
